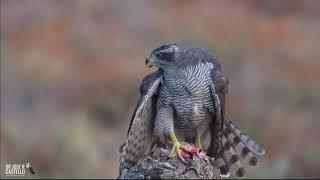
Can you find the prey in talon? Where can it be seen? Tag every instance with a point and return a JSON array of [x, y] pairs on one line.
[[188, 151]]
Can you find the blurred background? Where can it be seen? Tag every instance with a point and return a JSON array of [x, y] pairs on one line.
[[71, 72]]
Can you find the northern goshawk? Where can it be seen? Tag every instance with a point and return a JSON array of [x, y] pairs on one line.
[[184, 100]]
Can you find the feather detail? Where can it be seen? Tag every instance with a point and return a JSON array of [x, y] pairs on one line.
[[237, 149], [140, 133]]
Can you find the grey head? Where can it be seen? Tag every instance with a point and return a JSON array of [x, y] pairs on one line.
[[164, 56], [170, 56]]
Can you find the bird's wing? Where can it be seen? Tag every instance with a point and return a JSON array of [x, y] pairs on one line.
[[219, 87], [218, 143], [229, 145], [140, 132]]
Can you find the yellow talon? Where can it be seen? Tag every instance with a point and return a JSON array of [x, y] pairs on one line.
[[176, 147], [198, 141]]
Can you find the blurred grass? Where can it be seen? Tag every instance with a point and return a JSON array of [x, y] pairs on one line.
[[71, 71]]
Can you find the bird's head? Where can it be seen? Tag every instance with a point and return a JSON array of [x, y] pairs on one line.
[[164, 56]]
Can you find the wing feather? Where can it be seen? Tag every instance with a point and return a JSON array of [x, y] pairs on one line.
[[140, 132], [219, 85]]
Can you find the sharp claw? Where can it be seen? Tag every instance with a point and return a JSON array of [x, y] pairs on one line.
[[178, 153], [176, 148], [184, 148], [185, 152], [180, 156]]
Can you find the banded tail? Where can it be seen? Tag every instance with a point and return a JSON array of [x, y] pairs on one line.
[[237, 148]]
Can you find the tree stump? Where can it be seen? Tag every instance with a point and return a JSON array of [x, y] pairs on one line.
[[158, 165]]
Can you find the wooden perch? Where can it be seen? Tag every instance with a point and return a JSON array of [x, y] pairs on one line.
[[159, 165]]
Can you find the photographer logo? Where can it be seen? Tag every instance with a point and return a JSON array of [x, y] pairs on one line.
[[15, 169], [19, 169]]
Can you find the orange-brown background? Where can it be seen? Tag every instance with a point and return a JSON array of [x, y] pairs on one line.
[[71, 70]]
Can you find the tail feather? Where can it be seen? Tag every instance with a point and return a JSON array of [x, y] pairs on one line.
[[237, 148], [228, 158], [231, 158], [223, 167], [246, 140], [244, 152]]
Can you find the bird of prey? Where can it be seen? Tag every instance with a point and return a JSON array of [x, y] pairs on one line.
[[184, 100]]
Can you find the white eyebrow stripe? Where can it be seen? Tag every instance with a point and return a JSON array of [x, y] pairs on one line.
[[170, 50]]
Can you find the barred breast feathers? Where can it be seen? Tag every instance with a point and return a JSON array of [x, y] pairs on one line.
[[188, 90], [193, 77]]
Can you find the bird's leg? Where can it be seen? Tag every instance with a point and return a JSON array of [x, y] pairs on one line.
[[177, 146], [198, 141], [198, 144]]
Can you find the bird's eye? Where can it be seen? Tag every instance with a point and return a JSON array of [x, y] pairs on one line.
[[158, 55]]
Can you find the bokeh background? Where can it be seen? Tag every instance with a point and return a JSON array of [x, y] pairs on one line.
[[71, 71]]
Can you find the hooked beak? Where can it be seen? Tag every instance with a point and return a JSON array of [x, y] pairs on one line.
[[149, 63]]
